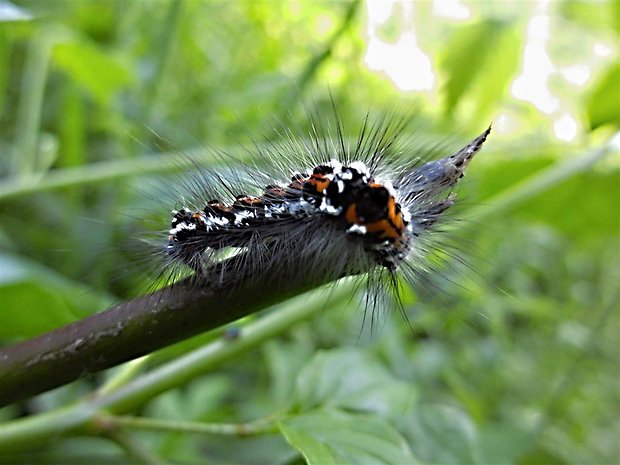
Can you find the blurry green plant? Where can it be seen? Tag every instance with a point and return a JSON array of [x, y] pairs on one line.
[[520, 366]]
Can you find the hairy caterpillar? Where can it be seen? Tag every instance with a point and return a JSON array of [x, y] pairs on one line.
[[324, 208], [318, 208]]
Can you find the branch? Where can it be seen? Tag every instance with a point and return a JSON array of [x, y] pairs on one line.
[[252, 428], [84, 416], [138, 327]]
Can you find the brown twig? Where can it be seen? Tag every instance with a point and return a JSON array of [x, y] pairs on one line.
[[137, 327]]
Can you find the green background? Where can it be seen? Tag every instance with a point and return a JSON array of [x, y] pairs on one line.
[[517, 362]]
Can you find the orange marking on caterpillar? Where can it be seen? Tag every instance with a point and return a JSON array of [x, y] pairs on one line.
[[391, 227], [351, 214], [319, 181], [249, 201]]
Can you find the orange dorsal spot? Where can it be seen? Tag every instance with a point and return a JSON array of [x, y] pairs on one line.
[[216, 208], [351, 215], [275, 192], [383, 229], [319, 182], [250, 200], [391, 227], [395, 216]]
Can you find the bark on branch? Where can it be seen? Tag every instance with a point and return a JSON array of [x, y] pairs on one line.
[[135, 328]]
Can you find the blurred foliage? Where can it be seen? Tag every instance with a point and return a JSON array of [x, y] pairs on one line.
[[518, 363]]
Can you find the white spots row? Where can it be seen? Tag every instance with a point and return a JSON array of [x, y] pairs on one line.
[[187, 220]]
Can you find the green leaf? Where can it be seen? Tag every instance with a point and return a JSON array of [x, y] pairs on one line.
[[284, 361], [35, 299], [539, 455], [195, 401], [332, 437], [504, 443], [501, 65], [603, 104], [352, 379], [485, 54], [442, 434], [89, 66], [592, 15]]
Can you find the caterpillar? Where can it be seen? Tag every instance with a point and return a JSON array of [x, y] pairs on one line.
[[317, 206]]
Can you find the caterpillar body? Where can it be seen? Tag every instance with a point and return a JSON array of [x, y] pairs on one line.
[[352, 209]]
